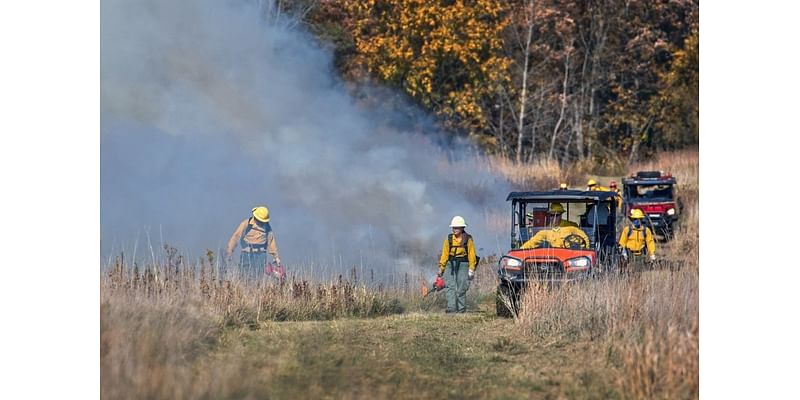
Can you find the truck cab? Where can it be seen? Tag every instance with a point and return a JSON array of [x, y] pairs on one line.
[[653, 192]]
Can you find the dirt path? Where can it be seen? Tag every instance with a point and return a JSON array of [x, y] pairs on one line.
[[418, 355]]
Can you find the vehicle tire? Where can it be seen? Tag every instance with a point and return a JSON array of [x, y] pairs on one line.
[[504, 296]]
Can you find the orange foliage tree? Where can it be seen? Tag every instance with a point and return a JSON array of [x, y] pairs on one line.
[[447, 55]]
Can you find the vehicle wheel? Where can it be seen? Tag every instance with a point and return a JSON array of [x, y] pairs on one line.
[[505, 297]]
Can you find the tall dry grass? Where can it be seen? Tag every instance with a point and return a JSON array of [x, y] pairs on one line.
[[156, 321], [540, 174], [649, 321]]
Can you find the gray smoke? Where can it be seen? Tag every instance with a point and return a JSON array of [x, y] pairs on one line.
[[207, 110]]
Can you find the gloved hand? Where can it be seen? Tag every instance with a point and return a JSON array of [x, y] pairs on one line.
[[625, 254], [277, 261], [652, 257], [439, 274], [471, 275]]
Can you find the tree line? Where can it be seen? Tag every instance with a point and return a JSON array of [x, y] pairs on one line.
[[602, 82]]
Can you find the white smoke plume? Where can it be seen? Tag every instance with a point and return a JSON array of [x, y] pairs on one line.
[[208, 110]]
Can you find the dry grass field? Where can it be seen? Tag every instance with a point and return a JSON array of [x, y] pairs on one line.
[[178, 330]]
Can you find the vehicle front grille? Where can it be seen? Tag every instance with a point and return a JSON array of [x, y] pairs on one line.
[[544, 269]]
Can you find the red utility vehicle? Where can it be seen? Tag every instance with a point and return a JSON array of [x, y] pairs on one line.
[[595, 214], [653, 192]]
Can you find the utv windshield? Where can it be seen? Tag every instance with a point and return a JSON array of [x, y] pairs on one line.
[[643, 193]]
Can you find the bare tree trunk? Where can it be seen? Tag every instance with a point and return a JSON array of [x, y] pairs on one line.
[[502, 133], [534, 123], [565, 151], [579, 106], [592, 124], [563, 108], [578, 126], [523, 99], [638, 141], [533, 142]]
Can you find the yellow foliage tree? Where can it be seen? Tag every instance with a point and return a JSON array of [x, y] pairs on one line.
[[448, 55]]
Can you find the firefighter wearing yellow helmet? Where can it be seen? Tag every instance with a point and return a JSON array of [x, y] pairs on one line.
[[592, 185], [457, 265], [555, 216], [255, 237], [637, 239], [561, 233]]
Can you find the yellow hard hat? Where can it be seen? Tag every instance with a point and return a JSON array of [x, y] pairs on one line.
[[556, 208], [637, 214], [591, 182], [458, 222], [261, 213], [562, 186]]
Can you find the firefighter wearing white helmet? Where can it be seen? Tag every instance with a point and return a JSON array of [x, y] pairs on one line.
[[457, 265], [254, 235]]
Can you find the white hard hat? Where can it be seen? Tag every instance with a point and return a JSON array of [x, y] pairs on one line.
[[458, 222]]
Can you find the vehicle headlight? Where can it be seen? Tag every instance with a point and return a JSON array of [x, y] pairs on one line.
[[578, 262], [506, 262], [671, 211]]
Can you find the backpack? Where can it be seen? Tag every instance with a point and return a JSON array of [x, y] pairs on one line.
[[247, 230], [646, 233], [631, 229], [463, 245]]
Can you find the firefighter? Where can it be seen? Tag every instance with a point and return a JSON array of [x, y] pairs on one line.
[[256, 239], [592, 185], [637, 239], [457, 265], [561, 233], [612, 186], [554, 216]]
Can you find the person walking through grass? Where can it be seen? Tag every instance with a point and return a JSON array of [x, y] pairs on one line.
[[457, 265], [636, 240], [256, 239]]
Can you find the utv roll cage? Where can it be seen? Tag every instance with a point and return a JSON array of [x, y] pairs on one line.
[[598, 221]]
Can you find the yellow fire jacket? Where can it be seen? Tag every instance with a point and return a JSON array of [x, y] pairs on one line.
[[555, 237], [458, 251], [635, 240], [250, 234]]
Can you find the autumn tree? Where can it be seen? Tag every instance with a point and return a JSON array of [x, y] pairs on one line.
[[676, 105], [447, 55], [651, 34], [597, 82]]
